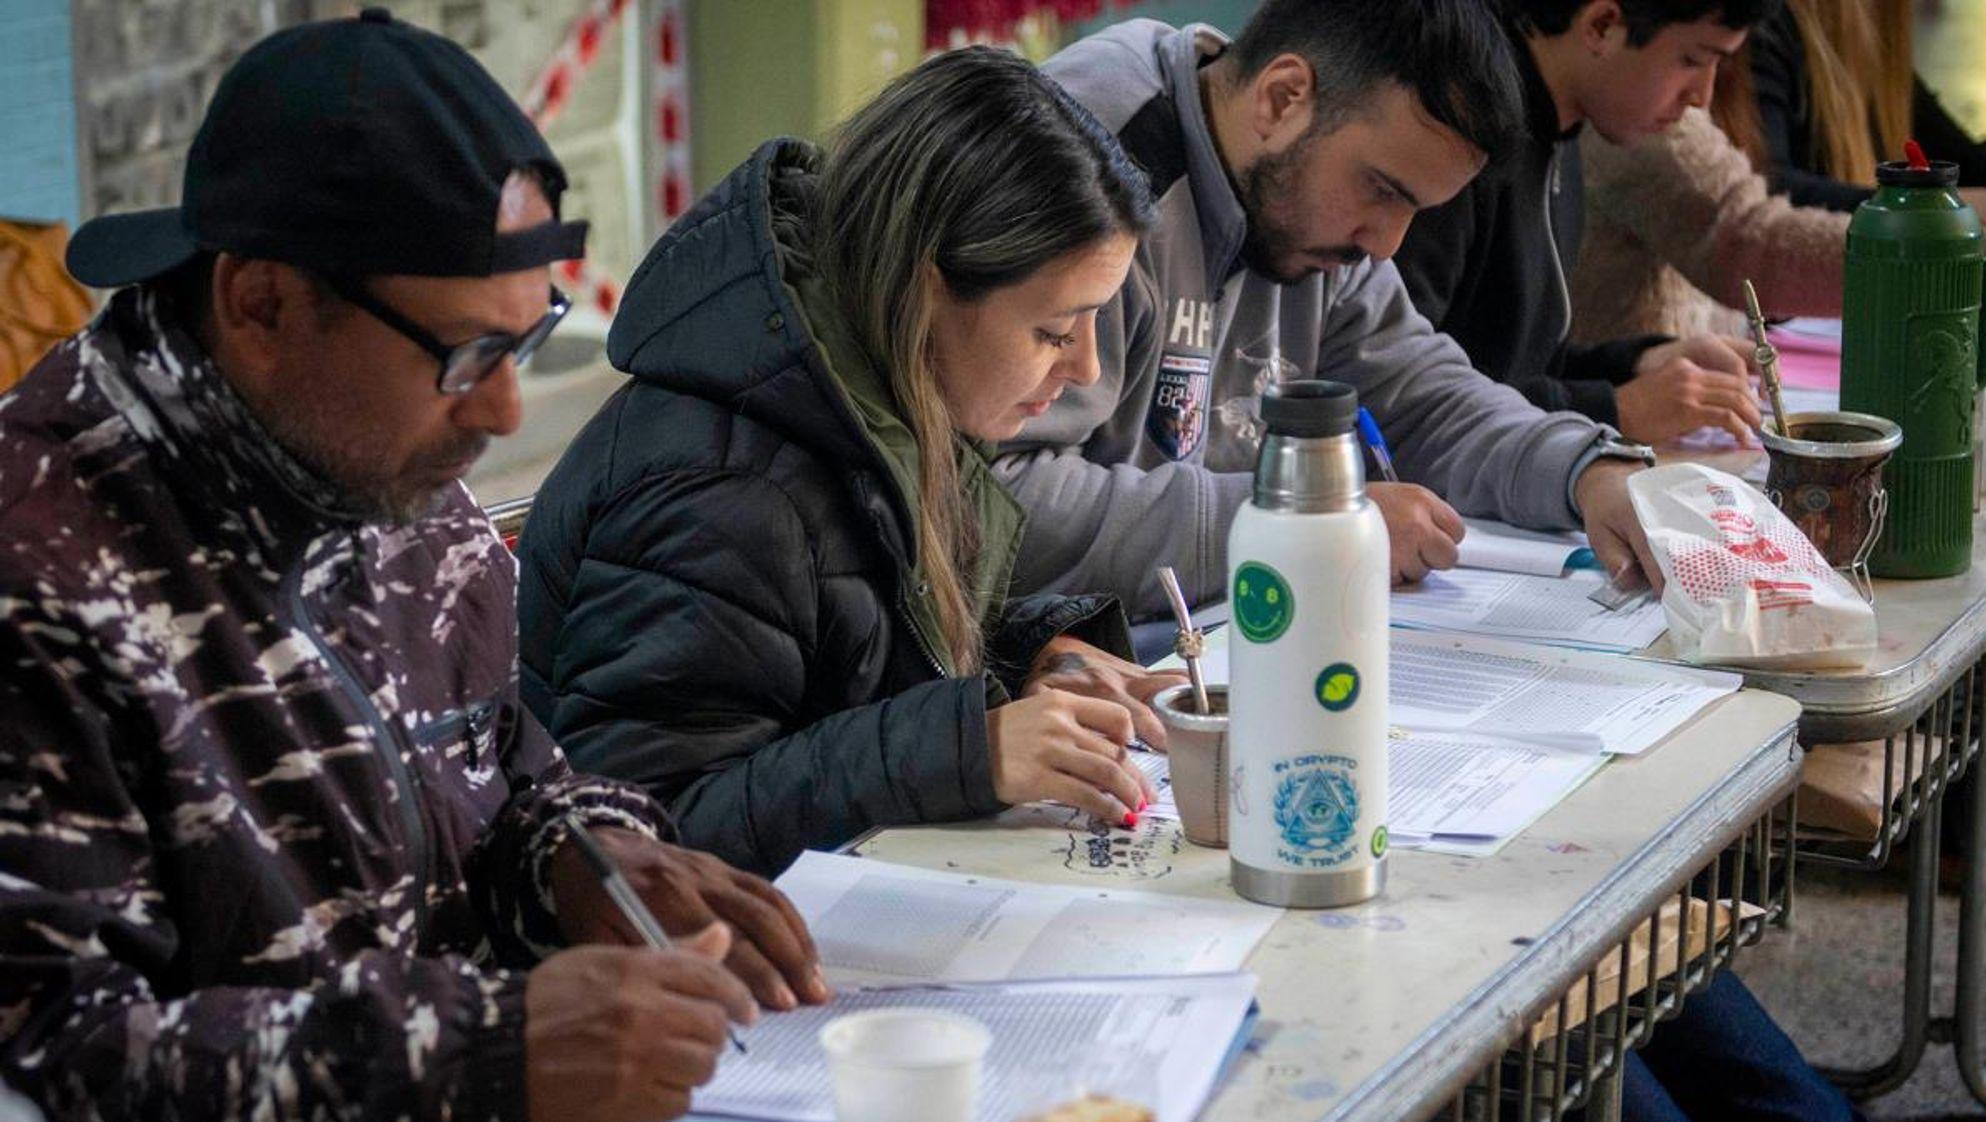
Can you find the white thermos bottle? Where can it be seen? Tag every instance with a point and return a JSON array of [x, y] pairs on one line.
[[1307, 582]]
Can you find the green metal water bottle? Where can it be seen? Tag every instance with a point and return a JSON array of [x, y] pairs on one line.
[[1909, 352]]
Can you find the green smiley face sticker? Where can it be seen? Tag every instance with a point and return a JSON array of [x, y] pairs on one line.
[[1263, 606], [1337, 686]]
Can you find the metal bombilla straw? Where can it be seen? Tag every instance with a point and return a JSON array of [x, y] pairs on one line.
[[1767, 357], [1191, 642]]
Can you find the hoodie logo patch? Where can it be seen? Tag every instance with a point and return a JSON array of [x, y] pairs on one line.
[[1177, 421]]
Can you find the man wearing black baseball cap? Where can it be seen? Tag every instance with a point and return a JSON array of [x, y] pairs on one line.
[[276, 837]]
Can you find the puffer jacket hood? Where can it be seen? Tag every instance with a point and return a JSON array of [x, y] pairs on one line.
[[732, 263]]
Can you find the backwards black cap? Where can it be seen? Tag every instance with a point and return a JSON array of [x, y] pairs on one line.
[[352, 147]]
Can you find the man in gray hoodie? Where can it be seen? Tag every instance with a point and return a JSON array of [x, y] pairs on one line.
[[1287, 167]]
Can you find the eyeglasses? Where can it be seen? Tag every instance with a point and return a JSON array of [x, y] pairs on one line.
[[463, 366]]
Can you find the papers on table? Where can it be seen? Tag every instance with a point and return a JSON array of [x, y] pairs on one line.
[[1541, 695], [1157, 768], [877, 923], [1515, 584], [1450, 792], [1468, 794], [1812, 330], [1799, 400], [1158, 1041], [1507, 549], [1808, 361], [1546, 609]]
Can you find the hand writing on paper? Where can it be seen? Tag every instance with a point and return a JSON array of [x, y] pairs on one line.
[[1054, 744], [1611, 524], [688, 891], [1080, 668], [1424, 532], [1688, 384], [618, 1034]]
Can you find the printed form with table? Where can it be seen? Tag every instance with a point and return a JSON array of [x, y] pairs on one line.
[[1510, 688]]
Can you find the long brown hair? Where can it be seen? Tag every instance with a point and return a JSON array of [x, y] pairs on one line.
[[972, 170], [1859, 71], [1734, 108]]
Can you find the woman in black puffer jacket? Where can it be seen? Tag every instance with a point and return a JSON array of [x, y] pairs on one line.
[[768, 580]]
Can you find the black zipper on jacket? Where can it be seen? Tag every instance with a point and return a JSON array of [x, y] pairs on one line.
[[389, 747], [471, 721]]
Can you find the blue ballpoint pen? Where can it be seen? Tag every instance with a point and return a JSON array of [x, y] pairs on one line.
[[1376, 440]]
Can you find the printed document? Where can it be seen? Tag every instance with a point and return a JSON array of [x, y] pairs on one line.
[[1544, 609], [1467, 794], [1543, 695], [1450, 792], [879, 924], [1157, 1041], [1508, 549]]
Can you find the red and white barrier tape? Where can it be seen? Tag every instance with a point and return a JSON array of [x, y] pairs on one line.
[[669, 108], [547, 97], [551, 91]]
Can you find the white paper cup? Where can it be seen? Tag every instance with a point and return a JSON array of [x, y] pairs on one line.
[[905, 1065]]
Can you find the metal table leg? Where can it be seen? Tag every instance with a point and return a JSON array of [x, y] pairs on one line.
[[1971, 951], [1891, 1073], [1948, 732]]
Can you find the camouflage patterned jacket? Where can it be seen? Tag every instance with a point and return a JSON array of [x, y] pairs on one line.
[[273, 826]]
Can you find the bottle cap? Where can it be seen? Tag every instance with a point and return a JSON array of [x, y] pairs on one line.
[[1933, 173], [1310, 408]]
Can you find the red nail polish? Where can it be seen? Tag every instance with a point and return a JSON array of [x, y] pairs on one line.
[[1131, 820], [1142, 804]]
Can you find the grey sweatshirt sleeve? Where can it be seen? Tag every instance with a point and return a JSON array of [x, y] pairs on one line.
[[1479, 445], [1096, 523]]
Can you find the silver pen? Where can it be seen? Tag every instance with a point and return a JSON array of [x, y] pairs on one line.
[[623, 895]]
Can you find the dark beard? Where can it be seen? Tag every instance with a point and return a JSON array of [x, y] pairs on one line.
[[369, 494], [1269, 246]]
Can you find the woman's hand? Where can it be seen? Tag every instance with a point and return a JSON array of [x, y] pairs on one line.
[[1077, 667], [1058, 745]]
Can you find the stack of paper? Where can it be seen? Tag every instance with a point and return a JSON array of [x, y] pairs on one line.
[[881, 924], [1515, 584], [1507, 549], [1539, 695], [1452, 792], [1515, 606], [1076, 991], [1158, 1041], [1469, 793], [1544, 694]]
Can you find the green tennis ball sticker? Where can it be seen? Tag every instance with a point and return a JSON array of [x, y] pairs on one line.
[[1337, 687], [1263, 606]]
